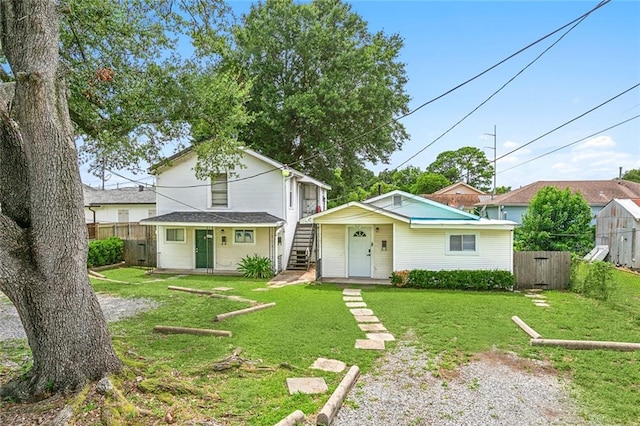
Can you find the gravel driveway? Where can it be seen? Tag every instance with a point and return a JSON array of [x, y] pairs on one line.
[[494, 389], [114, 308]]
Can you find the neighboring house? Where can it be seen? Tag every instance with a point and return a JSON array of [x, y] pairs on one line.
[[399, 231], [597, 193], [252, 209], [618, 227], [459, 195], [122, 205]]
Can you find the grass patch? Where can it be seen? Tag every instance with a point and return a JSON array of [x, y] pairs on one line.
[[176, 376]]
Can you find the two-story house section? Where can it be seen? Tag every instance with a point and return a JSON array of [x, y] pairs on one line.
[[253, 209]]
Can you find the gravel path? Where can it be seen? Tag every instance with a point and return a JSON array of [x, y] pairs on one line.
[[494, 389], [114, 309]]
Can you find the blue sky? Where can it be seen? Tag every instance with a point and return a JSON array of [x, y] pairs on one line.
[[448, 42]]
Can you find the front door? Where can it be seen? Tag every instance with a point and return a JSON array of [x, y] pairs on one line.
[[204, 248], [359, 252]]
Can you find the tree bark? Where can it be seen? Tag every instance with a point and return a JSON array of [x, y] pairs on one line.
[[43, 237]]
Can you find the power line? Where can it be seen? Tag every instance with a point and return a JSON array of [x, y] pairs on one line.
[[493, 94], [569, 122], [572, 143]]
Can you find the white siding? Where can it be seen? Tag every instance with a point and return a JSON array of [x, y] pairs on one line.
[[426, 249], [334, 256], [109, 213], [382, 260], [179, 190], [354, 215], [174, 255]]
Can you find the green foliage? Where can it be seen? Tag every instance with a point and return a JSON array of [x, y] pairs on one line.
[[319, 80], [467, 164], [428, 183], [502, 190], [598, 281], [454, 280], [633, 175], [556, 220], [255, 266], [105, 252]]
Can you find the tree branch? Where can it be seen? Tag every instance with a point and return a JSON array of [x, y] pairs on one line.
[[14, 256], [14, 180]]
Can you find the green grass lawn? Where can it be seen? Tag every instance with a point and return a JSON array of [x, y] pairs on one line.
[[175, 373]]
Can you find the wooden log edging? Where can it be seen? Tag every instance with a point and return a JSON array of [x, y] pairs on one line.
[[330, 409], [224, 316], [586, 344], [185, 330], [210, 294], [292, 419], [530, 331]]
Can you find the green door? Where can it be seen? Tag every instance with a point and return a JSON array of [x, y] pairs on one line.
[[204, 248]]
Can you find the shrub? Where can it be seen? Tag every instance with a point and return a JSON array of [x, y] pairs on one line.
[[399, 278], [105, 252], [598, 282], [255, 267], [454, 280]]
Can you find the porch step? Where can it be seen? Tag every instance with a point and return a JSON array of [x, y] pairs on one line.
[[302, 247]]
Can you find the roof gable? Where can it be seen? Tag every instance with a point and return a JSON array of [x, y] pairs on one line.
[[595, 192], [459, 188], [277, 166], [415, 206]]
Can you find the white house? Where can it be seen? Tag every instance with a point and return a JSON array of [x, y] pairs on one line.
[[400, 231], [252, 209], [121, 205]]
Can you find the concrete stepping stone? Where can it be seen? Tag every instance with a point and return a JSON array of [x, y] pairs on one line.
[[260, 289], [542, 304], [372, 327], [381, 336], [535, 296], [223, 288], [332, 365], [366, 318], [352, 299], [308, 385], [351, 292], [361, 311], [356, 304], [377, 345]]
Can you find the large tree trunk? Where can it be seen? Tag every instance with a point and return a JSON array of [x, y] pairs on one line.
[[43, 237]]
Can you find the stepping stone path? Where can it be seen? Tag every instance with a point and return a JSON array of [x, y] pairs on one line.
[[375, 332], [308, 385], [222, 289], [537, 298], [332, 365]]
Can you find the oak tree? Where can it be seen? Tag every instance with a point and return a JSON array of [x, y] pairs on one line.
[[467, 164]]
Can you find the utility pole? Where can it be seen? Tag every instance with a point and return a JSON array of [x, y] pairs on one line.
[[494, 134]]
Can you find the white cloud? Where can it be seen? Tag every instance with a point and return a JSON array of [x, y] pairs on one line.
[[510, 144], [597, 142]]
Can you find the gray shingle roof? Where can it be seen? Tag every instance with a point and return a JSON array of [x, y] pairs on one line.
[[216, 218], [595, 192], [131, 195]]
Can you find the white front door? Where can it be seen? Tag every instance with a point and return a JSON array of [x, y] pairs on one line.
[[359, 252]]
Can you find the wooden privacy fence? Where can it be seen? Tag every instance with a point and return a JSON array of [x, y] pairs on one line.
[[126, 231], [547, 270], [140, 253]]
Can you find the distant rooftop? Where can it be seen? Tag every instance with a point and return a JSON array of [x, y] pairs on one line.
[[129, 195]]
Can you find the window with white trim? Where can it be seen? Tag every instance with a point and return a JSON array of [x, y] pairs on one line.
[[219, 190], [244, 236], [174, 235], [462, 243]]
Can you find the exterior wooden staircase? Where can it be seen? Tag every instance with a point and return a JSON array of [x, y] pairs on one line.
[[302, 247]]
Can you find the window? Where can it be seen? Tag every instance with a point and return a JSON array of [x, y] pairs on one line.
[[219, 190], [123, 215], [243, 236], [174, 235], [465, 243], [397, 200]]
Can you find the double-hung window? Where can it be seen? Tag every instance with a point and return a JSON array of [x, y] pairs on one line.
[[244, 236], [219, 190], [174, 235]]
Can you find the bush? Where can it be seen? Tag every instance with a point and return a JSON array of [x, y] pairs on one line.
[[597, 283], [454, 280], [105, 252], [256, 267]]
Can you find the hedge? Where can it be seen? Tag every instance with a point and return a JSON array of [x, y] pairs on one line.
[[105, 252], [454, 280]]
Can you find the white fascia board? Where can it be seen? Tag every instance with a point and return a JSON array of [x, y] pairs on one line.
[[212, 225]]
